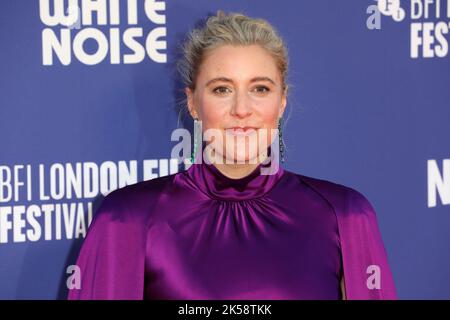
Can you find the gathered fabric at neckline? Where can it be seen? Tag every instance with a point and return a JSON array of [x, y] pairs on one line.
[[211, 181]]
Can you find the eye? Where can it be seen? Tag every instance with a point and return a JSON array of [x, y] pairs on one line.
[[221, 90], [262, 89]]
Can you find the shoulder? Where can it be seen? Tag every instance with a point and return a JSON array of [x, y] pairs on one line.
[[134, 202], [336, 194], [143, 189]]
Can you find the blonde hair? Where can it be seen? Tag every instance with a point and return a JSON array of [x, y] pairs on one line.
[[232, 29]]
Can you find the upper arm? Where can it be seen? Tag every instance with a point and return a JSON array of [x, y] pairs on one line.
[[112, 257]]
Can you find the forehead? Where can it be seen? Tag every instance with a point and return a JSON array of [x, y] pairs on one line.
[[238, 62]]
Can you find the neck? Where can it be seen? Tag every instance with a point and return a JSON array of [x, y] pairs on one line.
[[237, 171]]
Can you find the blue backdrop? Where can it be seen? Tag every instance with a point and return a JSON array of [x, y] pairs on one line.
[[89, 106]]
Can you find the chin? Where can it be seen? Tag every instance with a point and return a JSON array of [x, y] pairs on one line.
[[247, 157]]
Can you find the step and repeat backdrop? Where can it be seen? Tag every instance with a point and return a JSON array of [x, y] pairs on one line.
[[90, 97]]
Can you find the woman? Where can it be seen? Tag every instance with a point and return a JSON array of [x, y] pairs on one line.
[[223, 230]]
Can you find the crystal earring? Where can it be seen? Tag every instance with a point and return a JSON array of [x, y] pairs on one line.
[[280, 139], [197, 138]]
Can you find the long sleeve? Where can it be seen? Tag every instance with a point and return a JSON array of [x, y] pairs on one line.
[[368, 273], [112, 256], [363, 252]]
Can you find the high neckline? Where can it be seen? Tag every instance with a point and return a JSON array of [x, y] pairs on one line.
[[211, 181]]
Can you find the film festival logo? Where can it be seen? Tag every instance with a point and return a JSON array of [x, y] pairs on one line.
[[55, 201], [429, 24], [392, 8], [110, 28]]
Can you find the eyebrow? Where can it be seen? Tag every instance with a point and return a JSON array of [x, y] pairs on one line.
[[225, 79]]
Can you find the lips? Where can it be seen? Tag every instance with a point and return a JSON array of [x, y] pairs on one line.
[[241, 130]]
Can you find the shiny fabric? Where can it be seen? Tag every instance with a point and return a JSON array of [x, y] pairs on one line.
[[198, 234]]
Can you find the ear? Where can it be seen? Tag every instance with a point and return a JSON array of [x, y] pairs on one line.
[[190, 102]]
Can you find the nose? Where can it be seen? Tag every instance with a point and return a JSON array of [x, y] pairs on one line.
[[241, 106]]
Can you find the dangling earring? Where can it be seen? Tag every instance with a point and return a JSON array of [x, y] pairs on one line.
[[280, 139], [197, 138]]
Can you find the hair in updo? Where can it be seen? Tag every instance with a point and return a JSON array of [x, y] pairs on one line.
[[231, 29]]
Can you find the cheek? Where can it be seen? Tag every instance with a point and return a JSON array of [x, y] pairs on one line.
[[269, 120], [212, 112], [269, 117]]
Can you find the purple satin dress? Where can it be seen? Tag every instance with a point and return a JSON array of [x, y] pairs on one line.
[[198, 234]]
